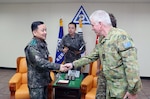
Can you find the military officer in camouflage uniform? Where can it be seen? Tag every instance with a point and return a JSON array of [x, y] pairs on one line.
[[38, 64], [71, 44], [101, 90], [118, 56]]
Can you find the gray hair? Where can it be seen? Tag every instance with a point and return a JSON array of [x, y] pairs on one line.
[[101, 16]]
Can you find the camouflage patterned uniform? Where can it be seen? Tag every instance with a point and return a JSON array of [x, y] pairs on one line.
[[74, 44], [38, 68], [118, 57], [101, 86]]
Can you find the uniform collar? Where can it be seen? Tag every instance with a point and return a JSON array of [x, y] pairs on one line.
[[103, 39], [40, 42], [72, 36]]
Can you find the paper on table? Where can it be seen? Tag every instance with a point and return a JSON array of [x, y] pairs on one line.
[[63, 81]]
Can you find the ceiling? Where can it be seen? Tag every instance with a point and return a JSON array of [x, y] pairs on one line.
[[74, 1]]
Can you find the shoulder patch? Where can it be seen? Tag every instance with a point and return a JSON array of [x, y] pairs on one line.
[[127, 44]]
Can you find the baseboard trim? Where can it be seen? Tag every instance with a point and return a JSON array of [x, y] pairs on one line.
[[142, 77], [85, 74], [7, 68], [146, 78]]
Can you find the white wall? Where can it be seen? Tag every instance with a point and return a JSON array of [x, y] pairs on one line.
[[15, 21]]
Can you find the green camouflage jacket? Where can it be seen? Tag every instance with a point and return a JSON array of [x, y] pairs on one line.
[[118, 57]]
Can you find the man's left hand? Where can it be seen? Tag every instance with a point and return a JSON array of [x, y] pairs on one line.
[[130, 96]]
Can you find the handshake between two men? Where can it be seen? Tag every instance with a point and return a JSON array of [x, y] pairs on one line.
[[65, 67]]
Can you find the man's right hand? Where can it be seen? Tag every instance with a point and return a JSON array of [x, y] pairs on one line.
[[63, 68], [69, 65]]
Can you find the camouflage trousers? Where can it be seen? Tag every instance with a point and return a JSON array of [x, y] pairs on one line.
[[101, 86], [39, 93]]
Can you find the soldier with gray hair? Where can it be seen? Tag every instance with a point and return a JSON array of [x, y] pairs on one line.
[[118, 55]]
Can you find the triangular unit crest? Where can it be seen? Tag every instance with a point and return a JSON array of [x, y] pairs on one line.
[[81, 14]]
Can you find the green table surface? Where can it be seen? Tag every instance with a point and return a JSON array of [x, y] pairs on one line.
[[72, 83]]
